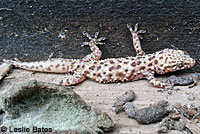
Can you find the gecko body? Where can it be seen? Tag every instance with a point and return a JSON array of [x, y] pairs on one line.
[[114, 69]]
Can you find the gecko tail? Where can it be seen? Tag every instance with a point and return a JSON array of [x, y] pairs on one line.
[[51, 66], [12, 62], [18, 64]]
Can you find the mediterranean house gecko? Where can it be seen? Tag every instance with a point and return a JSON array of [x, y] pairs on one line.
[[114, 69]]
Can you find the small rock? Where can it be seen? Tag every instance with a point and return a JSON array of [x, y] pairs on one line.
[[130, 110], [175, 116], [121, 100], [191, 97], [163, 129], [51, 106], [146, 115], [179, 125], [192, 111], [188, 92]]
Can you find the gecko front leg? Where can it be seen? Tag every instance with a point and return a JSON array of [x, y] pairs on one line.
[[156, 83], [136, 41], [96, 52], [78, 77]]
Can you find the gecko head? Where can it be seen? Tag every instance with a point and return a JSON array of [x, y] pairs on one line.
[[170, 60]]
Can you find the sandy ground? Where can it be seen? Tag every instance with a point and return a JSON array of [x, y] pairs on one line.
[[101, 96]]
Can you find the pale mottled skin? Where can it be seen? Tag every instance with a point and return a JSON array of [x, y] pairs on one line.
[[114, 69]]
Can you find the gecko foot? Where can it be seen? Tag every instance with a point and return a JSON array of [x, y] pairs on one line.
[[168, 89], [135, 31], [93, 41]]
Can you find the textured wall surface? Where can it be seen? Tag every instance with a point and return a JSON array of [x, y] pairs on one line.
[[29, 29]]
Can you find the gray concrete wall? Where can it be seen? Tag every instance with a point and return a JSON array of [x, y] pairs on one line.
[[29, 29]]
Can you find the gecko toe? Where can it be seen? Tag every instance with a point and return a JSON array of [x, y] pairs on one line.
[[102, 39], [136, 27], [130, 28], [87, 35], [142, 31], [96, 35]]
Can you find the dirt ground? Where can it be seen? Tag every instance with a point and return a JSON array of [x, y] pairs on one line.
[[101, 96]]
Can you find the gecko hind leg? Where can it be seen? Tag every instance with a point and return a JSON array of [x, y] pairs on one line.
[[136, 39], [96, 52], [76, 79]]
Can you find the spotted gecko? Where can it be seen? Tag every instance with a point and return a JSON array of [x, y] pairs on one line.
[[114, 69]]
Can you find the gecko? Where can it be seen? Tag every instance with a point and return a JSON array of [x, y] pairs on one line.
[[142, 66]]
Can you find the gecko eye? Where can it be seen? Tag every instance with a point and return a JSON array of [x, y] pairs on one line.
[[179, 63]]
